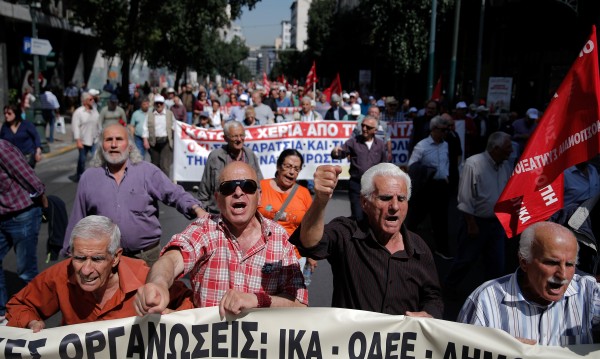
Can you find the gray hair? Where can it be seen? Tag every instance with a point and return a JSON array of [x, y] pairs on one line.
[[528, 239], [369, 117], [386, 170], [437, 121], [134, 154], [85, 96], [496, 140], [229, 125], [97, 227]]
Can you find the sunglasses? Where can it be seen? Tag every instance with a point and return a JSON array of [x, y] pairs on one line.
[[368, 127], [228, 187]]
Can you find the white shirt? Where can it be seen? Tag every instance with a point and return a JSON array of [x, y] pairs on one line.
[[432, 154], [160, 124], [85, 125]]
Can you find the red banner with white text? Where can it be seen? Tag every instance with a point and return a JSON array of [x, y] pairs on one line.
[[567, 134]]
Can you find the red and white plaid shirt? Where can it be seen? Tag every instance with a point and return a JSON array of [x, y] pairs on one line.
[[216, 262]]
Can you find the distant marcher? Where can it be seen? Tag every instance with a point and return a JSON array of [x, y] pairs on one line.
[[50, 111], [22, 134], [85, 124]]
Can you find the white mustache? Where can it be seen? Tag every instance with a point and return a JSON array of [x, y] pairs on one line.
[[554, 280]]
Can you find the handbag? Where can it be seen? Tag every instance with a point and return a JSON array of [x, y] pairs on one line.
[[285, 203]]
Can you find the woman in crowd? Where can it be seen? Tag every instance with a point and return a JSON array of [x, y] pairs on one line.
[[274, 203], [22, 134]]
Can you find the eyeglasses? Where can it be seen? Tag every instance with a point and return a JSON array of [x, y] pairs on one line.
[[368, 127], [228, 187], [388, 198], [289, 167]]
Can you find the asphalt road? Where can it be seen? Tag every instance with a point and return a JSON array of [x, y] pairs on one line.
[[54, 173]]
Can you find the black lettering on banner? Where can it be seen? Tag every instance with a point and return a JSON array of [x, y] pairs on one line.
[[12, 344], [362, 345], [281, 343], [155, 340], [197, 331], [113, 333], [247, 329], [375, 349], [63, 347], [136, 342], [406, 346], [390, 346], [33, 347], [450, 351], [218, 339], [294, 348], [235, 329], [90, 348], [314, 346], [185, 343], [465, 353], [489, 355]]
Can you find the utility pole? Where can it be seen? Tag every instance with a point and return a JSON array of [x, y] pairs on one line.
[[432, 28], [451, 82], [38, 120]]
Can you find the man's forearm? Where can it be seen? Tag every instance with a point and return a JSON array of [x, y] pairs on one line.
[[165, 270], [313, 223], [283, 301]]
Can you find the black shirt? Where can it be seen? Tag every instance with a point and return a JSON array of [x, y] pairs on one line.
[[367, 276]]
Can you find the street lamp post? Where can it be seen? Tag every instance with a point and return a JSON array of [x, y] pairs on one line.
[[38, 120]]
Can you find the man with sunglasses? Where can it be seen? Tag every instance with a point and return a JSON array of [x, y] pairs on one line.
[[377, 263], [234, 150], [363, 151], [237, 260]]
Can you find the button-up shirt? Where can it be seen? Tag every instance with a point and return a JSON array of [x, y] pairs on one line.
[[217, 263], [85, 125], [138, 119], [481, 183], [432, 154], [361, 156], [18, 181], [500, 304]]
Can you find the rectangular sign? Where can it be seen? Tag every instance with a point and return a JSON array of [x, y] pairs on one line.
[[34, 46]]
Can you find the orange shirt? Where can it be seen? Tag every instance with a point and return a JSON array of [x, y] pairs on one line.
[[56, 289], [272, 200]]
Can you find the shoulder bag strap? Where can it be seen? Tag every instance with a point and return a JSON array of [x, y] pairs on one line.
[[285, 203]]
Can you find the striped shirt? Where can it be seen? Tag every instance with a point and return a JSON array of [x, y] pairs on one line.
[[213, 257], [18, 182], [499, 303]]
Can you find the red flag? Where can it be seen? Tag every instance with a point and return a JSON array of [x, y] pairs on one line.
[[567, 134], [437, 91], [311, 78], [335, 87], [266, 84]]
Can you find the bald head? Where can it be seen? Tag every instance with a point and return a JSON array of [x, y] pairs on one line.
[[237, 170], [542, 233]]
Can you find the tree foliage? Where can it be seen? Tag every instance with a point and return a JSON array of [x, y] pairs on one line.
[[320, 17]]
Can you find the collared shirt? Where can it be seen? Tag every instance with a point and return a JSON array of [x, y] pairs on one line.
[[432, 154], [237, 113], [49, 101], [361, 156], [18, 181], [383, 131], [85, 125], [578, 186], [367, 276], [312, 116], [397, 117], [108, 117], [264, 113], [130, 204], [286, 102], [481, 183], [160, 124], [56, 290], [500, 304], [26, 138], [216, 263], [138, 119]]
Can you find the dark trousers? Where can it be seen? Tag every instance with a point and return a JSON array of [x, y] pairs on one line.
[[354, 196], [83, 153], [490, 243], [48, 116], [161, 155], [431, 200]]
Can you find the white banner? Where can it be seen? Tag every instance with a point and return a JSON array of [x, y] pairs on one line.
[[314, 140], [499, 94], [276, 333]]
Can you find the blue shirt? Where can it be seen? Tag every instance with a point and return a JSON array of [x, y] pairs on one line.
[[286, 102], [138, 118], [26, 139], [500, 304], [432, 154], [578, 186]]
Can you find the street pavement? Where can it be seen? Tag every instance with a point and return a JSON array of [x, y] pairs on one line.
[[60, 162]]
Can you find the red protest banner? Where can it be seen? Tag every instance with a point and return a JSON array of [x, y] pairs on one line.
[[567, 134]]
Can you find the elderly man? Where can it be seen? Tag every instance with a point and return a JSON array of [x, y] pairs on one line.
[[306, 113], [336, 112], [544, 301], [378, 265], [234, 135], [85, 123], [430, 168], [237, 260], [264, 114], [482, 180], [136, 125], [96, 283], [127, 189], [363, 151], [112, 113], [158, 135]]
